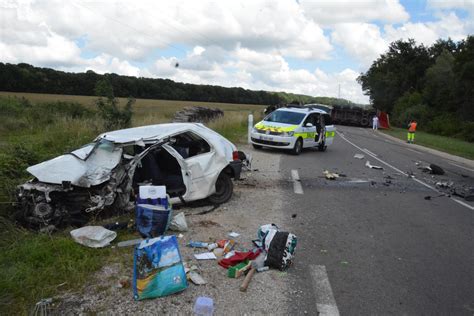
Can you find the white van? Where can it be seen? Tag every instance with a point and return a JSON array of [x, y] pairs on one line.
[[294, 128]]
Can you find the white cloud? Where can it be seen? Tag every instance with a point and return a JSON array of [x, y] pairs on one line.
[[467, 5], [448, 25], [344, 11], [361, 40]]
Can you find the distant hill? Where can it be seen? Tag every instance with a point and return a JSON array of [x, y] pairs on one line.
[[27, 78]]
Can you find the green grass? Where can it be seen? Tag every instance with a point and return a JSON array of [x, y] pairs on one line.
[[32, 265], [446, 144]]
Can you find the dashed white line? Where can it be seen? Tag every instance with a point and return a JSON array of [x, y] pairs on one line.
[[296, 182], [468, 169], [369, 152], [325, 301], [405, 174]]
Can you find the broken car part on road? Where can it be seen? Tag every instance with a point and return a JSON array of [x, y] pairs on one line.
[[193, 161]]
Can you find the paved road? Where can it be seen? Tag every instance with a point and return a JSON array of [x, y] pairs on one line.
[[369, 242]]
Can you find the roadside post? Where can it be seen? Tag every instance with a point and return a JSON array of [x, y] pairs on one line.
[[250, 127]]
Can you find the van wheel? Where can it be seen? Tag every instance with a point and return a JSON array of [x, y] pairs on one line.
[[256, 146], [224, 189], [298, 147]]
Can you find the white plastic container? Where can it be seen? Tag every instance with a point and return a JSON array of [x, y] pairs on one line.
[[204, 306]]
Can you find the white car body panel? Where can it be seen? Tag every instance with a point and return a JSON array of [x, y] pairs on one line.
[[87, 166]]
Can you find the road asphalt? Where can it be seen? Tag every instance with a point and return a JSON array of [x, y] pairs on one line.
[[377, 241]]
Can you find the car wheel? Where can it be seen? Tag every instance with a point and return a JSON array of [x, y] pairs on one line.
[[298, 147], [256, 146], [224, 189]]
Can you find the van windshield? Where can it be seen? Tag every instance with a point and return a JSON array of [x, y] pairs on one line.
[[285, 117]]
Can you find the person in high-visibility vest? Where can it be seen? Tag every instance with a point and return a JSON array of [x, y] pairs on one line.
[[411, 131]]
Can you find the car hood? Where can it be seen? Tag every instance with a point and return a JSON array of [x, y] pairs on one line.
[[280, 127], [85, 167]]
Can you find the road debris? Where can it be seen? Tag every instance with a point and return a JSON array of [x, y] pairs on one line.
[[93, 236], [205, 256], [368, 165], [131, 242], [233, 234], [196, 278], [330, 175], [157, 268], [198, 244], [204, 306], [178, 223], [359, 156], [435, 169], [42, 308]]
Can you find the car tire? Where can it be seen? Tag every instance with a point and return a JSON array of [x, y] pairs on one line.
[[256, 146], [298, 147], [224, 189]]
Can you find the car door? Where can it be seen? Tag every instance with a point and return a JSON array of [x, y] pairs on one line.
[[197, 158], [330, 129], [309, 132]]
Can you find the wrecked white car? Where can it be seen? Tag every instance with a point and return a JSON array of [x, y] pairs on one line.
[[193, 161]]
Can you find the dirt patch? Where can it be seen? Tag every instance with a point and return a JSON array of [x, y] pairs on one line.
[[257, 200], [207, 223]]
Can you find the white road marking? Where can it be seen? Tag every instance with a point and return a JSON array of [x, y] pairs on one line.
[[405, 174], [325, 301], [296, 182], [468, 169], [369, 152]]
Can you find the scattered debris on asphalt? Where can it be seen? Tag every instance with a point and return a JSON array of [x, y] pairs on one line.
[[368, 165], [435, 169], [330, 175], [93, 236], [444, 184], [359, 156], [465, 193]]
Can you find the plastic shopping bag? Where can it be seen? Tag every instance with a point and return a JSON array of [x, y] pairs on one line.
[[157, 268]]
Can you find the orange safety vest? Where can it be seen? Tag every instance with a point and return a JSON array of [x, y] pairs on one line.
[[412, 127]]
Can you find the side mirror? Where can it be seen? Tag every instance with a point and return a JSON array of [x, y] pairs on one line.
[[309, 125]]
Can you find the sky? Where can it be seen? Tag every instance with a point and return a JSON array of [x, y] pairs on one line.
[[310, 47]]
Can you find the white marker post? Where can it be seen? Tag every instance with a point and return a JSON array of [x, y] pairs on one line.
[[250, 127]]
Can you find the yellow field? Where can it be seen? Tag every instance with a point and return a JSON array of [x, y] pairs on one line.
[[146, 111]]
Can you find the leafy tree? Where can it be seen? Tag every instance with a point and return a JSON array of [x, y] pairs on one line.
[[440, 83], [394, 73], [108, 105]]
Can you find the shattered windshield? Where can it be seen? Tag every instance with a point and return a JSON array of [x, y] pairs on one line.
[[285, 117]]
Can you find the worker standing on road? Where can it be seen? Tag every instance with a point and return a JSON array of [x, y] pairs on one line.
[[375, 123], [411, 131]]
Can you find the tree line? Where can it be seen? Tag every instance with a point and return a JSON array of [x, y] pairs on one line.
[[433, 85], [27, 78]]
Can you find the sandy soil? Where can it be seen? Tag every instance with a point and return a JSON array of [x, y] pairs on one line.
[[256, 201]]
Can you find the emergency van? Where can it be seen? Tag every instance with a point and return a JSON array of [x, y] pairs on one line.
[[294, 128]]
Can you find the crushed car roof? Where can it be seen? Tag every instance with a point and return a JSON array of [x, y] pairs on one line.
[[150, 132]]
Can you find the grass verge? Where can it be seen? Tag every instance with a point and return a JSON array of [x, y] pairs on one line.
[[446, 144]]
